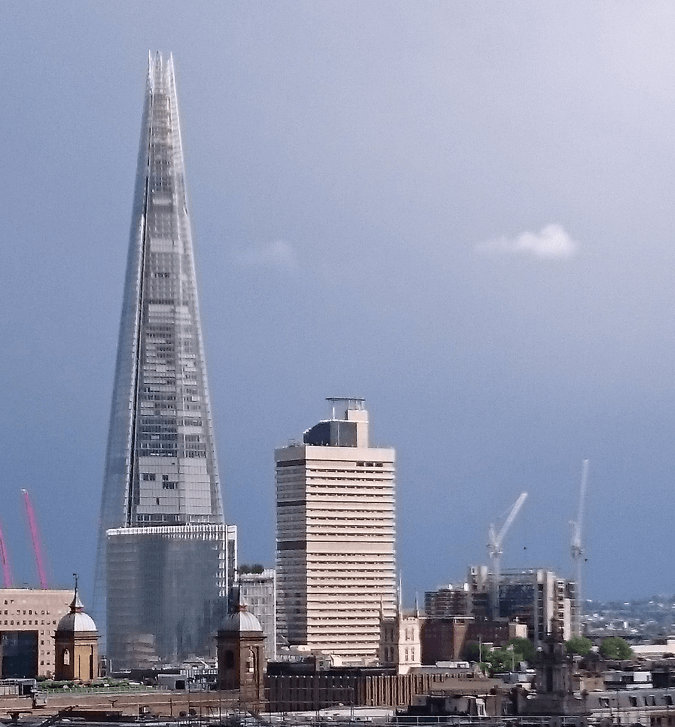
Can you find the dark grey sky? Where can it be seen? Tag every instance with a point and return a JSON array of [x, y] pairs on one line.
[[462, 212]]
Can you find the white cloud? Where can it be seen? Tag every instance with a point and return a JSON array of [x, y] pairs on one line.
[[274, 254], [552, 243]]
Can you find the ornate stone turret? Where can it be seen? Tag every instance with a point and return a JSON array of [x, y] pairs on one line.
[[241, 655], [76, 644]]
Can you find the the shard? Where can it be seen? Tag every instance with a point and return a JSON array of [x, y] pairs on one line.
[[165, 556]]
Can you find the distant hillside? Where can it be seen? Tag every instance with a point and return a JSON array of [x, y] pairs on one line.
[[646, 618]]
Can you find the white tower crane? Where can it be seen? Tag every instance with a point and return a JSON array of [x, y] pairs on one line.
[[494, 546], [577, 549]]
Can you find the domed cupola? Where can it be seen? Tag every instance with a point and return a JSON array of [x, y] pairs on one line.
[[241, 621], [241, 655], [77, 620], [76, 644]]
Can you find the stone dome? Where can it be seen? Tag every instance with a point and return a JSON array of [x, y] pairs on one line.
[[240, 621], [77, 620]]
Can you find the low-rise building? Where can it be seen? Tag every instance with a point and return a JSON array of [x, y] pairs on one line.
[[28, 621]]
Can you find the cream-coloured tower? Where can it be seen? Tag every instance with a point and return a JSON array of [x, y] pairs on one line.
[[336, 537]]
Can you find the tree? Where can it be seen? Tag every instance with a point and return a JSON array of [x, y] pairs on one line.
[[472, 652], [501, 659], [256, 568], [524, 649], [579, 645], [614, 647]]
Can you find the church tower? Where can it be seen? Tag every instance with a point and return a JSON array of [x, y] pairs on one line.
[[241, 656], [76, 642]]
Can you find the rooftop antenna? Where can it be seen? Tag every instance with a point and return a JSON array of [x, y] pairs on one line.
[[577, 549], [495, 550]]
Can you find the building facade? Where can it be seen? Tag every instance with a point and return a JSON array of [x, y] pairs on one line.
[[447, 638], [533, 596], [259, 592], [336, 537], [168, 592], [401, 642], [450, 600], [28, 621], [161, 470], [539, 598]]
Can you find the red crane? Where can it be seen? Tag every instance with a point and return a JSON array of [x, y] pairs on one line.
[[6, 570], [37, 547]]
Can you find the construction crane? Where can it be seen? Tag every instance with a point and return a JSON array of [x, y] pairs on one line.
[[577, 548], [37, 547], [6, 570], [494, 546]]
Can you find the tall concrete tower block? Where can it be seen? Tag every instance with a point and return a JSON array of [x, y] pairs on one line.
[[336, 566], [164, 553]]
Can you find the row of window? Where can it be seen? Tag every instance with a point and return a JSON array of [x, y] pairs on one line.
[[648, 701], [21, 612]]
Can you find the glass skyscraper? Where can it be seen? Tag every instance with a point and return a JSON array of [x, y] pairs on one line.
[[165, 556]]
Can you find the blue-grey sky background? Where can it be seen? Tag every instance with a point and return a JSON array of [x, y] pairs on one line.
[[461, 211]]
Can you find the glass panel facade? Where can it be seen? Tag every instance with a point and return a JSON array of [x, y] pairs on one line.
[[167, 592]]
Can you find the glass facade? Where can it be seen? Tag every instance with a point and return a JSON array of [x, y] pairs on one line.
[[161, 469], [167, 592]]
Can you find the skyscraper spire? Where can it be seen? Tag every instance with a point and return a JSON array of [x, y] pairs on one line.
[[161, 469], [161, 464]]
